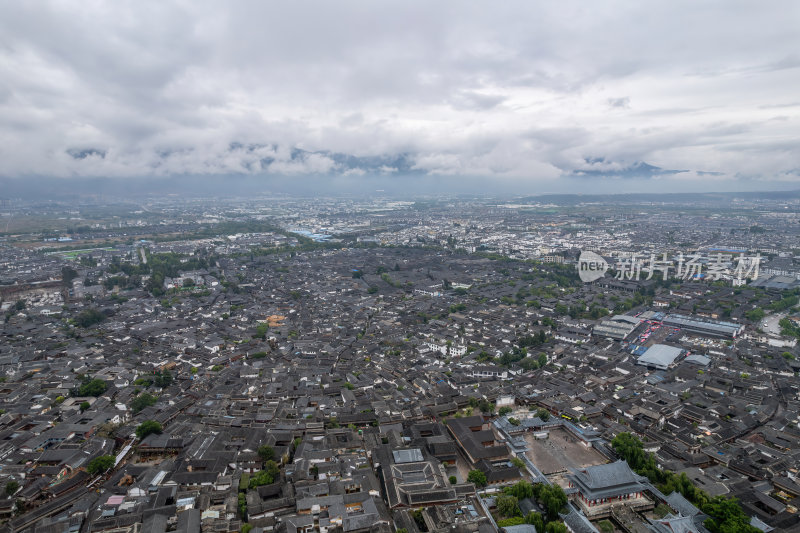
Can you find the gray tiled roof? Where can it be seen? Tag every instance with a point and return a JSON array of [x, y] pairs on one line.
[[609, 480], [681, 504], [578, 523]]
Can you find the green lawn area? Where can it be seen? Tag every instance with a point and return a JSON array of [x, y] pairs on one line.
[[72, 254]]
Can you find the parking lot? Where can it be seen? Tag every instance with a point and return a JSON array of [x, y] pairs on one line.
[[771, 324], [656, 333]]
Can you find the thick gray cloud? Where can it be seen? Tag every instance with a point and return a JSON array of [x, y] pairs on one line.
[[505, 90]]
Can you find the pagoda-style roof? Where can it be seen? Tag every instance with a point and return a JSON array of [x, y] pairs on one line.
[[606, 481]]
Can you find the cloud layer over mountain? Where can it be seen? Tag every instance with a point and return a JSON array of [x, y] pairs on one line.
[[518, 90]]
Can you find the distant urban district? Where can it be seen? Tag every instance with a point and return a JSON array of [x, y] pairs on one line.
[[398, 365]]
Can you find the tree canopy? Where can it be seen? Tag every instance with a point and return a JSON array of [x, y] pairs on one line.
[[148, 427], [266, 452], [725, 514], [98, 465], [12, 487], [89, 317], [508, 505], [143, 400], [267, 476], [520, 490], [68, 274], [552, 497], [162, 379], [90, 387], [477, 477]]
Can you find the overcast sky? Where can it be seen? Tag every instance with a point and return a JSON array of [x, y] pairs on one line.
[[527, 92]]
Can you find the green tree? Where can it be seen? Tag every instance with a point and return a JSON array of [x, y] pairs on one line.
[[553, 499], [142, 401], [726, 516], [555, 527], [98, 465], [419, 520], [521, 489], [536, 520], [266, 452], [267, 476], [486, 407], [242, 505], [477, 477], [91, 387], [519, 463], [12, 487], [504, 410], [148, 427], [89, 317], [542, 359], [755, 315], [508, 506], [84, 406], [630, 448], [453, 480], [163, 379], [67, 275]]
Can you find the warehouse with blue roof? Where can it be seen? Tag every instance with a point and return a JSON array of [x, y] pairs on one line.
[[704, 326]]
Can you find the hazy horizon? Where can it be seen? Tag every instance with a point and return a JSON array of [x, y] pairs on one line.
[[398, 187]]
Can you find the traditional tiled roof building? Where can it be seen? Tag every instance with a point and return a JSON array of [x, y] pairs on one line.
[[598, 487]]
